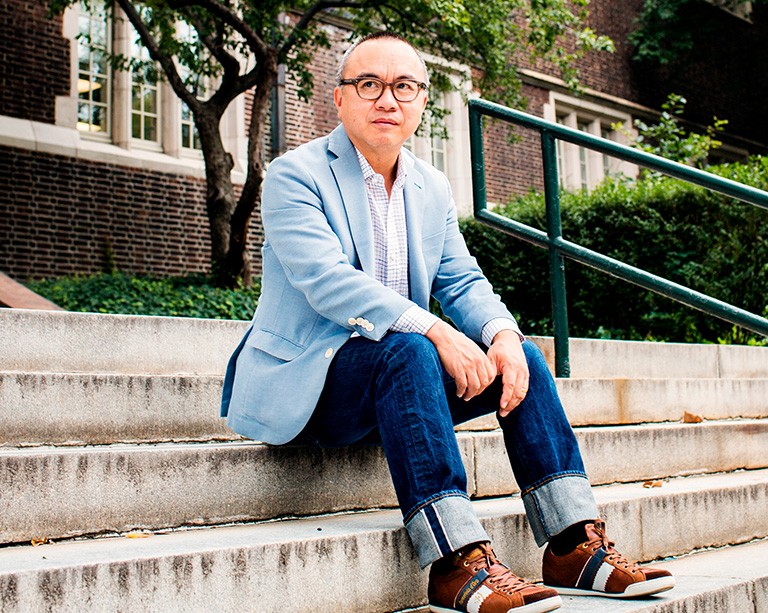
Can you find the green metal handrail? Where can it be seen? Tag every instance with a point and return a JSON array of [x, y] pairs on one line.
[[559, 248]]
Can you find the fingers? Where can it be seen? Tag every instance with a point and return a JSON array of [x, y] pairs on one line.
[[514, 388], [509, 357], [470, 368], [479, 374]]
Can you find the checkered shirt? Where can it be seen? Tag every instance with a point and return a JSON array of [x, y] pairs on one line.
[[390, 241]]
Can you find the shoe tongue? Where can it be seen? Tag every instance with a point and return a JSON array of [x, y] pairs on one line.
[[479, 551], [475, 552], [592, 533], [596, 532]]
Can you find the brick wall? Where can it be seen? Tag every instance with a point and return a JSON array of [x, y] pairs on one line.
[[34, 61], [59, 216], [513, 158]]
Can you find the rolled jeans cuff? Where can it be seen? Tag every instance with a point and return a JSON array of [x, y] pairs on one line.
[[560, 501], [443, 524]]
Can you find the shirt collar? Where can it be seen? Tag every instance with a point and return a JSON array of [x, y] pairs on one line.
[[369, 173]]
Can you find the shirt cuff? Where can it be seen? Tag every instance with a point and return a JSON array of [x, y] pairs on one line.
[[415, 319], [493, 327]]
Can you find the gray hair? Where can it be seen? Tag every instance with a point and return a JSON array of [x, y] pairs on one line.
[[376, 36]]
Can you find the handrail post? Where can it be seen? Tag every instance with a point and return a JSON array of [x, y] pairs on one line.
[[556, 260]]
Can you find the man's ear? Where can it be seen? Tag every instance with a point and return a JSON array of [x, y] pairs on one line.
[[337, 100]]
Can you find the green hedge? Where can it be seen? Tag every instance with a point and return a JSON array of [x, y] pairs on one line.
[[702, 240], [190, 296]]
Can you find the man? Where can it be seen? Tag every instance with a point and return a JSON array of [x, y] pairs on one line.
[[359, 234]]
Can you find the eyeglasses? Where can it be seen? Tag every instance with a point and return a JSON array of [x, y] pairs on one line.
[[371, 88]]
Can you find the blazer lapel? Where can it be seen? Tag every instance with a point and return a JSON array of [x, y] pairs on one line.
[[414, 218], [349, 178]]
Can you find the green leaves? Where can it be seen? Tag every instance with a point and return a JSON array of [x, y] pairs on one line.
[[191, 296]]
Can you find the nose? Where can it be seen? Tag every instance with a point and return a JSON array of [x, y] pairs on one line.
[[387, 99]]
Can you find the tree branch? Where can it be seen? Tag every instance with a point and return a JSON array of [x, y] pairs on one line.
[[310, 14], [226, 59], [228, 16]]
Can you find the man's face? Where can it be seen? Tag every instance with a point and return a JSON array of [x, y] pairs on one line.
[[379, 127]]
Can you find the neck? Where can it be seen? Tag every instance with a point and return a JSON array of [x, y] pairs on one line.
[[383, 164]]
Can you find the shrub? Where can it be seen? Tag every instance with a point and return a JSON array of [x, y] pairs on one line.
[[190, 296], [684, 233]]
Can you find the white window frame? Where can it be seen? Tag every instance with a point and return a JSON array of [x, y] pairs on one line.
[[118, 147], [580, 168], [455, 154], [107, 104]]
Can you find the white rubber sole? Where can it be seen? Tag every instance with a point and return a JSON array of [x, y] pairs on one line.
[[643, 588], [542, 606]]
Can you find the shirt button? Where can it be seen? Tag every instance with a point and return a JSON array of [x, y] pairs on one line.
[[329, 352]]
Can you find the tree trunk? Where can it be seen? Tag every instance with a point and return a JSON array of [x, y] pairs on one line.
[[237, 263], [220, 198]]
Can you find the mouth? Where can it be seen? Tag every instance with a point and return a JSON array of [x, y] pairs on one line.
[[385, 121]]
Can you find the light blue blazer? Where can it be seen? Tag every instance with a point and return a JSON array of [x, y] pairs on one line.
[[318, 286]]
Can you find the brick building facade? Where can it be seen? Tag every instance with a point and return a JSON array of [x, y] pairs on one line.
[[73, 200]]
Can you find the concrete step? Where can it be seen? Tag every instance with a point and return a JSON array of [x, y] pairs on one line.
[[129, 344], [118, 488], [360, 562], [88, 408]]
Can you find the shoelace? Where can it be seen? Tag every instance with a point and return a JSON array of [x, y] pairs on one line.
[[613, 555], [499, 576]]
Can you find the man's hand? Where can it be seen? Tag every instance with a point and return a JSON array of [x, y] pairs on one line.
[[507, 355], [462, 359]]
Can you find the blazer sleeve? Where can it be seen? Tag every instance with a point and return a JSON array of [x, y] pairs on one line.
[[297, 229]]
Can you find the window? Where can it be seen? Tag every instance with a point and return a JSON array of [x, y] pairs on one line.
[[189, 136], [451, 154], [133, 108], [145, 97], [579, 167], [93, 73]]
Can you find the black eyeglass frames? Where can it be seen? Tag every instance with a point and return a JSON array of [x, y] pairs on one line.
[[371, 88]]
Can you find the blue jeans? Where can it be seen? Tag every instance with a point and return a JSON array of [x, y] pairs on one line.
[[396, 392]]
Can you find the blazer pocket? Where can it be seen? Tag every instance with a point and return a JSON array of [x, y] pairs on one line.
[[274, 344]]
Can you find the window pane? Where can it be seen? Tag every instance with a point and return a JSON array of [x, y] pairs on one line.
[[150, 101], [93, 78], [150, 128], [136, 126], [136, 98], [83, 115], [99, 119]]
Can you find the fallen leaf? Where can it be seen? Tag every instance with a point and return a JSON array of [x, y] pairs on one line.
[[137, 535], [653, 484], [692, 418], [40, 541]]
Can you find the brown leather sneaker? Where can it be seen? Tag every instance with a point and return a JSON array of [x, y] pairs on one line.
[[476, 582], [595, 568]]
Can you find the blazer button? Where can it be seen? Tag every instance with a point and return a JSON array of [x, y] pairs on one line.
[[329, 352], [352, 321], [369, 327], [360, 321]]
